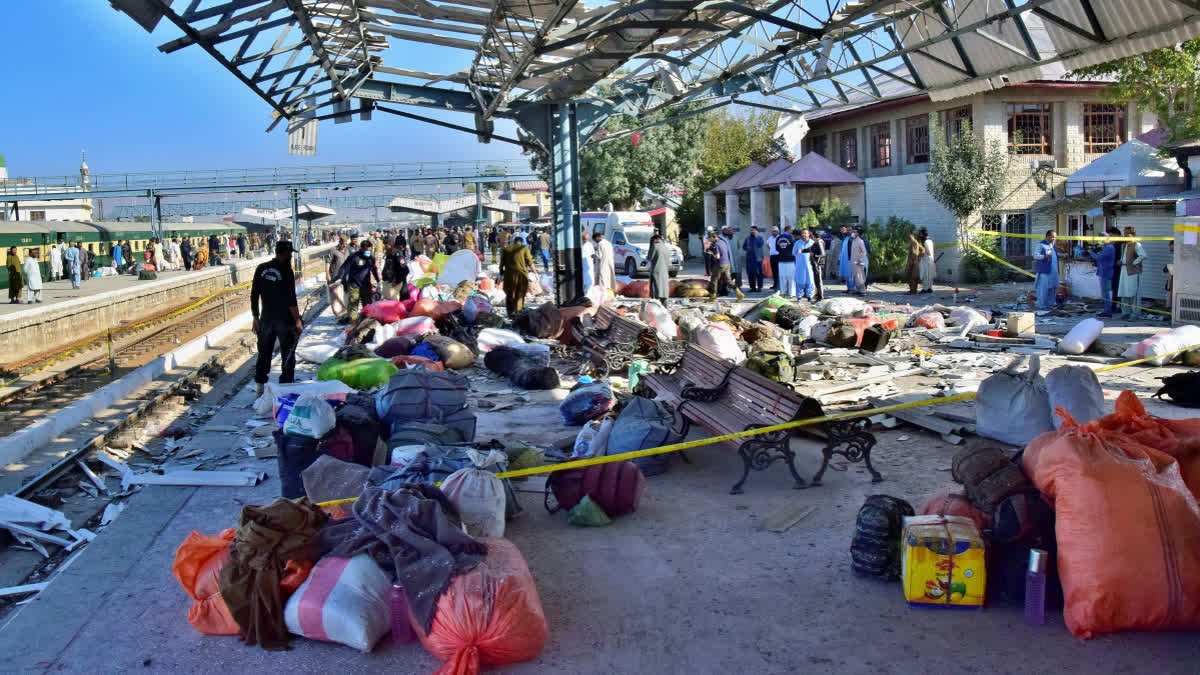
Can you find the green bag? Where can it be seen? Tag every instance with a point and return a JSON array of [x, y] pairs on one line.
[[360, 373], [588, 513], [330, 368], [769, 358]]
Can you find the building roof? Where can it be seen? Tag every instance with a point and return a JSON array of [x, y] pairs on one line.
[[748, 178], [812, 169], [1131, 163], [529, 186]]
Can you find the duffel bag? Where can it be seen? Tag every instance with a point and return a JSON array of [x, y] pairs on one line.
[[416, 394], [616, 486], [363, 426]]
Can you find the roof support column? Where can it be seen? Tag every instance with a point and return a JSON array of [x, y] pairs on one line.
[[733, 211], [758, 207], [297, 263], [478, 204], [710, 211], [565, 200], [787, 205], [156, 218]]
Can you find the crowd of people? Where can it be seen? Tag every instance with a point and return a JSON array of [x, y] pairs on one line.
[[800, 260]]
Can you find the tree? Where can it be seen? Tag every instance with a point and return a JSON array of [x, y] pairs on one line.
[[1164, 81], [966, 175], [833, 213], [731, 143], [659, 159]]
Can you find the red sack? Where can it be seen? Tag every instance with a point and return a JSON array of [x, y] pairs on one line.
[[487, 284], [425, 308], [616, 487], [767, 268], [947, 504], [490, 616], [636, 289], [1178, 438], [338, 444], [1128, 529], [386, 311]]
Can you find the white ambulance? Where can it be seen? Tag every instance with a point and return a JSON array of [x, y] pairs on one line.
[[629, 232]]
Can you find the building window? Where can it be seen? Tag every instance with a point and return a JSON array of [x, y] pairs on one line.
[[1009, 223], [37, 215], [848, 149], [916, 139], [816, 144], [1103, 127], [881, 145], [1029, 128], [955, 121]]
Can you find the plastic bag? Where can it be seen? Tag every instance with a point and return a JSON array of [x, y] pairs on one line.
[[415, 325], [1126, 526], [599, 445], [489, 616], [452, 353], [264, 406], [428, 292], [490, 338], [344, 600], [718, 338], [197, 567], [642, 424], [963, 316], [806, 325], [657, 317], [586, 403], [474, 306], [842, 307], [311, 417], [385, 311], [583, 440], [1081, 337], [316, 353], [361, 373], [932, 320], [414, 361], [1076, 390], [479, 497], [1013, 407], [1167, 342], [588, 513], [396, 346]]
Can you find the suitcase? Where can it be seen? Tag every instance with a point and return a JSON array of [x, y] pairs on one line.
[[616, 487]]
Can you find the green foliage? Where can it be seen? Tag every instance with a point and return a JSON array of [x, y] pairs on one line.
[[1164, 81], [808, 220], [834, 214], [980, 269], [889, 247], [967, 174], [617, 170], [731, 142]]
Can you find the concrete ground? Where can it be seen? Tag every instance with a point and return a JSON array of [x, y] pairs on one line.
[[690, 583]]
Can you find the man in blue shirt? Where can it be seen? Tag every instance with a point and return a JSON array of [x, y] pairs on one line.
[[1046, 265], [720, 261], [1106, 264], [356, 274], [753, 246]]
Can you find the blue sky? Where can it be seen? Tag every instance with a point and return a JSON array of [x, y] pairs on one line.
[[82, 75]]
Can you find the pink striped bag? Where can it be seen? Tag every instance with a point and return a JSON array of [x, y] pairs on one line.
[[344, 600]]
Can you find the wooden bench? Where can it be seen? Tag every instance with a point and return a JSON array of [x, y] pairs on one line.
[[723, 398], [612, 339]]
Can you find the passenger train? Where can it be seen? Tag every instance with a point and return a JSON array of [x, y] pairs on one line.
[[99, 237]]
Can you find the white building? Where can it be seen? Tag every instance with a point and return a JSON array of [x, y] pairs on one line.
[[62, 209]]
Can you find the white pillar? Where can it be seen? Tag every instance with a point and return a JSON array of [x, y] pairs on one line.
[[733, 214], [710, 211], [787, 205], [758, 208]]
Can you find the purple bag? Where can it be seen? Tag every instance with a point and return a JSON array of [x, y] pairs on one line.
[[475, 305]]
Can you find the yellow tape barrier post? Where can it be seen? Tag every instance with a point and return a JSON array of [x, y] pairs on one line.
[[675, 447]]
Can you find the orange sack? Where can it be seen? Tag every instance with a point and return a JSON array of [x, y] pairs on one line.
[[490, 616], [198, 562], [1128, 528], [197, 567]]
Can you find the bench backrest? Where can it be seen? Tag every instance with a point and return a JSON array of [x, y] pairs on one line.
[[627, 328], [702, 368], [604, 317]]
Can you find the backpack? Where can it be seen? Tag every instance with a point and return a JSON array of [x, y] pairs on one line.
[[1182, 389], [363, 427], [769, 358], [875, 338], [295, 454], [422, 395], [788, 316], [989, 475], [616, 487], [642, 424], [875, 548]]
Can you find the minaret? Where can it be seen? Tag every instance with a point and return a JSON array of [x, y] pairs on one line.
[[84, 172], [3, 169]]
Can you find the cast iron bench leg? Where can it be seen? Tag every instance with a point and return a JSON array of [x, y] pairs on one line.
[[857, 442], [760, 452]]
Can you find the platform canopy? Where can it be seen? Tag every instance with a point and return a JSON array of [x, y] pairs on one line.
[[330, 58]]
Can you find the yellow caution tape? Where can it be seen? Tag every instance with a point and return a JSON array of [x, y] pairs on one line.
[[1001, 260], [836, 417], [1187, 228], [1068, 237]]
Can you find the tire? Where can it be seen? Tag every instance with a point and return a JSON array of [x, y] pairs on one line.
[[630, 268]]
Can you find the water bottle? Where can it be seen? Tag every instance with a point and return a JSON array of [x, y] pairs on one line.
[[1035, 588]]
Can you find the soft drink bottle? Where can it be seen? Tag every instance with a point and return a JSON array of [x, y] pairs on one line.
[[1035, 588]]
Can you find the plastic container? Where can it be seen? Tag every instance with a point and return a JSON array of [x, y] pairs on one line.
[[636, 369], [1035, 588]]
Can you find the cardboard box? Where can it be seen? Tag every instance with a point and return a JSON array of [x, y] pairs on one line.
[[1021, 322], [942, 562]]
